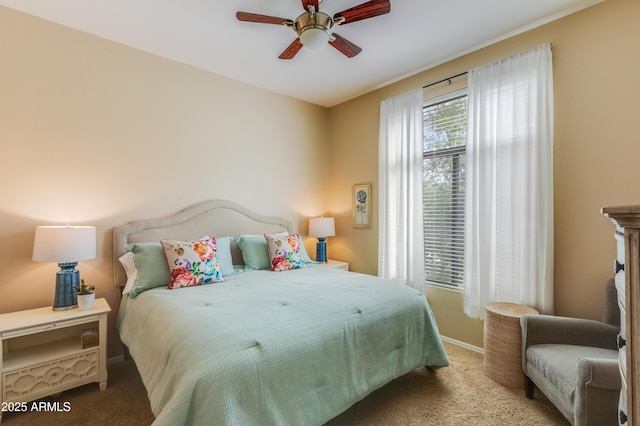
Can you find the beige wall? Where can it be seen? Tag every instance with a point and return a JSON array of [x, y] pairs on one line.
[[93, 132], [597, 101]]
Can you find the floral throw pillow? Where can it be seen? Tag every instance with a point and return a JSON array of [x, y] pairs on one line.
[[284, 252], [192, 263]]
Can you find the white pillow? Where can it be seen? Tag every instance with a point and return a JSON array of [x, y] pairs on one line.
[[130, 269]]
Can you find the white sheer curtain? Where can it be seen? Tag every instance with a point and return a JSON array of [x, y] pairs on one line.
[[400, 245], [509, 199]]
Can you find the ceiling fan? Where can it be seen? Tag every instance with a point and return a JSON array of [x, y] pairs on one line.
[[315, 28]]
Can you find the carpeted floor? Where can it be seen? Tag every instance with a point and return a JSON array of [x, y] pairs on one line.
[[456, 395]]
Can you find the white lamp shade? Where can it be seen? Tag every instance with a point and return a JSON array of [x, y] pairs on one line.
[[322, 227], [64, 244]]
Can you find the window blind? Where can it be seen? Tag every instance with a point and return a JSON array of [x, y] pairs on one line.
[[444, 165]]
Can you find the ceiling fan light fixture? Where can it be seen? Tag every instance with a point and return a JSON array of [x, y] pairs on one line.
[[313, 38], [313, 29]]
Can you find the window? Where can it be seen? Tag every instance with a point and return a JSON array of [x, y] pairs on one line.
[[444, 164]]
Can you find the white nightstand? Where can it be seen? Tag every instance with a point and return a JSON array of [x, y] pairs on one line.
[[336, 264], [42, 352]]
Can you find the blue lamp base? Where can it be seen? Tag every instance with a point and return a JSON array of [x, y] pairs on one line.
[[66, 279], [321, 250]]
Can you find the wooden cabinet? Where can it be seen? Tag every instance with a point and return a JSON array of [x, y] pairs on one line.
[[627, 268], [45, 352]]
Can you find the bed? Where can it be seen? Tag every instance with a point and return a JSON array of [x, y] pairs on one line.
[[296, 347]]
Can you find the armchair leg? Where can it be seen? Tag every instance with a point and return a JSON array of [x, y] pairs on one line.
[[528, 387]]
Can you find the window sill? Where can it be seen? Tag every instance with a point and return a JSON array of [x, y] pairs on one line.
[[444, 287]]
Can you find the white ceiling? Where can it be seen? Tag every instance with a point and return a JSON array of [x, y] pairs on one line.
[[416, 35]]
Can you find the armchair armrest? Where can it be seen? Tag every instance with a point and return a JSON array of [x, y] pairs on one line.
[[539, 329], [599, 373], [597, 391]]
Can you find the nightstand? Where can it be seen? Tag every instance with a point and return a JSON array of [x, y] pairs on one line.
[[43, 352], [336, 264]]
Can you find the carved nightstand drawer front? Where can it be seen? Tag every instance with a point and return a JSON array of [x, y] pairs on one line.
[[24, 384]]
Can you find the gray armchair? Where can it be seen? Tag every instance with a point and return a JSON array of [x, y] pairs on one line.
[[574, 363]]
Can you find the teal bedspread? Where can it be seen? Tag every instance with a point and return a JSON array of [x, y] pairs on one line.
[[275, 348]]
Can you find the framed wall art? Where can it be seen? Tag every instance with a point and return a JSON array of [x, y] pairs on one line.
[[361, 199]]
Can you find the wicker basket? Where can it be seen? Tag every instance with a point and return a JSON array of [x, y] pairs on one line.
[[503, 343]]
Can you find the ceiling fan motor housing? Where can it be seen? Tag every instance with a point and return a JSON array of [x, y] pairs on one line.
[[314, 29]]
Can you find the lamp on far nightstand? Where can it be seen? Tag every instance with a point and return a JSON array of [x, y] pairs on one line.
[[322, 227], [65, 245]]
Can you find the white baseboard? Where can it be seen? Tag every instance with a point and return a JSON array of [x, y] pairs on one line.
[[115, 359], [463, 344]]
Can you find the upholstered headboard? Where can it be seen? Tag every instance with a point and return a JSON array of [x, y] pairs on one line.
[[216, 218]]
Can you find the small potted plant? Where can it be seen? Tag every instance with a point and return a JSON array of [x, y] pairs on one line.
[[86, 295]]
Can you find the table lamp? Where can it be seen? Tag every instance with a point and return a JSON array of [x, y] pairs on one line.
[[322, 227], [65, 245]]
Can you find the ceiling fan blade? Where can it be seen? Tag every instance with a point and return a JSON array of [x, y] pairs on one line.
[[291, 51], [314, 3], [364, 11], [345, 46], [261, 19]]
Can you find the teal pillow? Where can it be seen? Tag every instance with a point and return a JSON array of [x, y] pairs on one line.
[[303, 252], [224, 256], [254, 252], [151, 264]]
